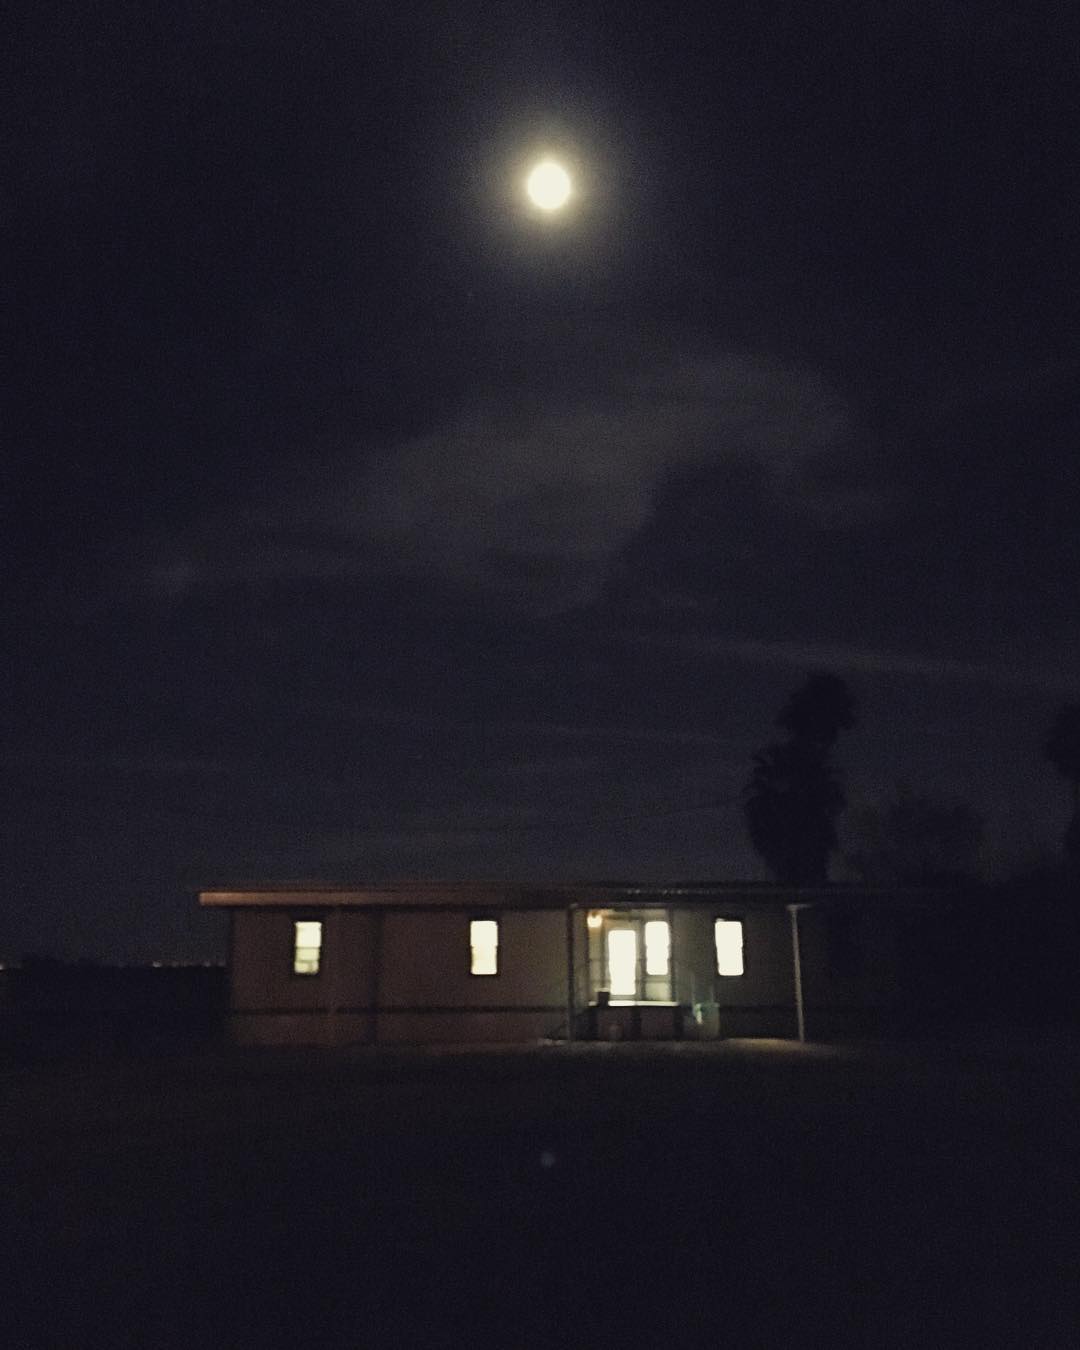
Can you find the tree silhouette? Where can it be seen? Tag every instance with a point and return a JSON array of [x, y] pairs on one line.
[[1062, 749], [912, 840], [818, 711], [794, 796]]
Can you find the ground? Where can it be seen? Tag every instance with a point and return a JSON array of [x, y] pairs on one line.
[[754, 1193]]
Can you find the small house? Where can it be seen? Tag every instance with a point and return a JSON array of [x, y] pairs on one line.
[[467, 962]]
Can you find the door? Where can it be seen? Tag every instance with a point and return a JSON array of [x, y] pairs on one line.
[[637, 959], [622, 960]]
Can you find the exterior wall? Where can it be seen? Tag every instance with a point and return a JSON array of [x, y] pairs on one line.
[[301, 1028], [401, 975], [427, 992], [761, 1001], [396, 976], [466, 1026], [270, 1005]]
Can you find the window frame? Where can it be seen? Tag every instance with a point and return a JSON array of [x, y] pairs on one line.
[[485, 974], [741, 921], [296, 947]]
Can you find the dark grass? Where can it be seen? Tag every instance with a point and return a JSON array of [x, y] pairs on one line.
[[748, 1194]]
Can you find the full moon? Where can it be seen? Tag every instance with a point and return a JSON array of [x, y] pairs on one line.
[[548, 185]]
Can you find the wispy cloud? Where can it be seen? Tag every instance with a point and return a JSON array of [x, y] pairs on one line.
[[149, 764], [529, 491], [820, 656], [340, 711], [560, 484]]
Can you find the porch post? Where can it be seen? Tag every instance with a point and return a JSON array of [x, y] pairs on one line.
[[796, 956]]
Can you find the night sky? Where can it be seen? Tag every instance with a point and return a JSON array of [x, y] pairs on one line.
[[359, 523]]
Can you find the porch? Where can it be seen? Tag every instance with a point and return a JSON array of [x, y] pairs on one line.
[[630, 974]]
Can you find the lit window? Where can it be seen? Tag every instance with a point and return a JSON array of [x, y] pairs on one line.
[[729, 947], [657, 947], [484, 947], [307, 946]]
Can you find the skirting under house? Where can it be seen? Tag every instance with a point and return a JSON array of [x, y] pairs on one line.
[[434, 962]]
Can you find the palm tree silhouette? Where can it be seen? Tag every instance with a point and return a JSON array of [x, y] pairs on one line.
[[794, 796]]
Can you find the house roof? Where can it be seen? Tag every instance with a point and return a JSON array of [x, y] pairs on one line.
[[410, 894]]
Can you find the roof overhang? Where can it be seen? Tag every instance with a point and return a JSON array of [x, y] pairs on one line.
[[516, 895]]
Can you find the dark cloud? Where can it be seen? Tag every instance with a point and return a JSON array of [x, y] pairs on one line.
[[949, 532]]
